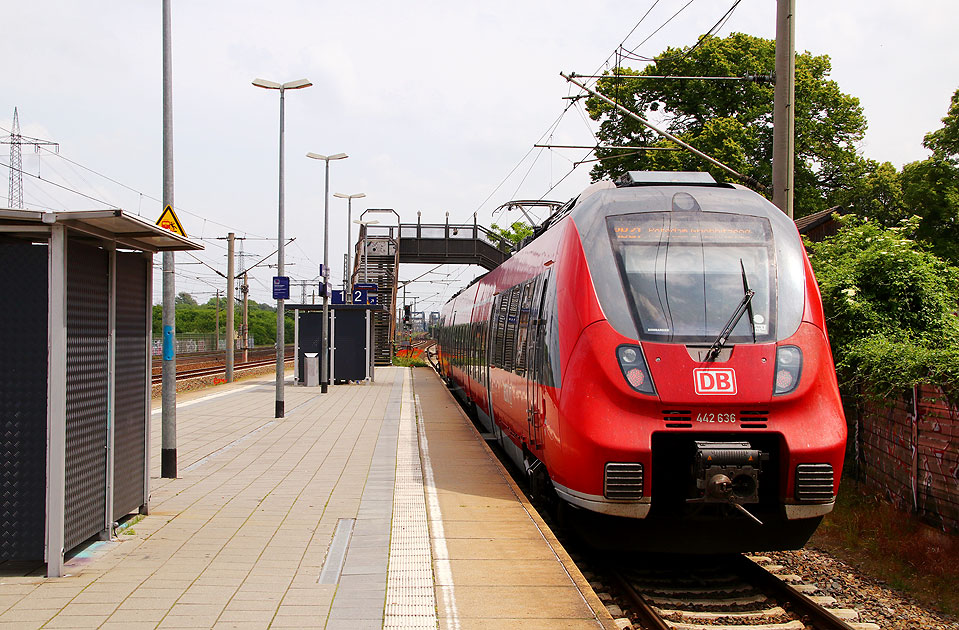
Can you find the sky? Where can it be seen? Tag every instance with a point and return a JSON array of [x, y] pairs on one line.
[[437, 104]]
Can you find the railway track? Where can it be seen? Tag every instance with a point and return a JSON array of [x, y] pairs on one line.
[[725, 593], [198, 360], [218, 369]]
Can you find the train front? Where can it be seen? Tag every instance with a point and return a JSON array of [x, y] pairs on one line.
[[705, 408]]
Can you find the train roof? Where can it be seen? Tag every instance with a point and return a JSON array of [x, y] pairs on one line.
[[636, 179]]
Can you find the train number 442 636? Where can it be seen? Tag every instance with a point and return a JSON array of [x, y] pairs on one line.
[[716, 417]]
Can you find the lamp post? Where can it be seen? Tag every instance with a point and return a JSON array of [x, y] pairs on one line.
[[280, 237], [349, 217], [364, 224], [325, 339]]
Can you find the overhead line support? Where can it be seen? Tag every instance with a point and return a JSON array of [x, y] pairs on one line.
[[749, 180]]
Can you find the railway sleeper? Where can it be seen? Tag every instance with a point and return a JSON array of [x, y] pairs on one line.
[[790, 625], [710, 602], [773, 612], [733, 589]]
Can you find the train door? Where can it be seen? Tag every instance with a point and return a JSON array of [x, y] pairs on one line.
[[536, 364]]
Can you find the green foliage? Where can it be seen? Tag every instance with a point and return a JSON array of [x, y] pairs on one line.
[[732, 120], [409, 362], [202, 320], [945, 141], [890, 306], [927, 189], [930, 189], [184, 298], [515, 233], [876, 194]]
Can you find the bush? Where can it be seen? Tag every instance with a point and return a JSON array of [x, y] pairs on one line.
[[890, 307]]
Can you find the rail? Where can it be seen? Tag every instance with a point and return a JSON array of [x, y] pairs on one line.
[[741, 593]]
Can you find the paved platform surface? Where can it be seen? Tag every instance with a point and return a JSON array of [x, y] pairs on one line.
[[372, 506]]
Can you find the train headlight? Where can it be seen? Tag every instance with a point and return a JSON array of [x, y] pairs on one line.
[[788, 369], [634, 369]]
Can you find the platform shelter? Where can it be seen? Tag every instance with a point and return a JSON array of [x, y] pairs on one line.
[[74, 376]]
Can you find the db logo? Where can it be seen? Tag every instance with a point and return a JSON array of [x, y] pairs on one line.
[[714, 381]]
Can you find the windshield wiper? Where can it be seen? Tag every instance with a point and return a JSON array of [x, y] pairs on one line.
[[745, 304], [749, 304]]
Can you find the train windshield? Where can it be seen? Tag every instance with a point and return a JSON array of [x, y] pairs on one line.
[[685, 273]]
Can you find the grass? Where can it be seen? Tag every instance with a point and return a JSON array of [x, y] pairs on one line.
[[409, 362], [866, 531]]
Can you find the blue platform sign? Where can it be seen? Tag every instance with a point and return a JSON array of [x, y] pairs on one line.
[[338, 297], [281, 287], [366, 286], [360, 296]]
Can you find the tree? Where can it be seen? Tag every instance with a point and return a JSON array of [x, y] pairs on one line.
[[890, 306], [515, 233], [184, 298], [927, 189], [945, 142], [930, 189], [202, 320], [876, 194], [733, 120]]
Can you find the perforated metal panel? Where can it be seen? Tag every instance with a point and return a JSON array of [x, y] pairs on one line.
[[23, 399], [87, 374], [132, 363]]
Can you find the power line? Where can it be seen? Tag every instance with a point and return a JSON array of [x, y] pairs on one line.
[[702, 39], [121, 184], [76, 192]]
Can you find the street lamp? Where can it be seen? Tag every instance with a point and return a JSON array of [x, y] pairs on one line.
[[365, 223], [280, 237], [349, 235], [325, 339]]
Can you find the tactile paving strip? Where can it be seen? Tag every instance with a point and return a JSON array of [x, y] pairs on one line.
[[410, 600]]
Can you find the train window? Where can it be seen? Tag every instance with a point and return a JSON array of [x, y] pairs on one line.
[[685, 273], [522, 328], [500, 333], [477, 342], [503, 318], [475, 349], [551, 374], [509, 342]]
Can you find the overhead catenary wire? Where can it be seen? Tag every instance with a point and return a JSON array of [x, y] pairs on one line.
[[67, 188], [685, 53], [572, 79], [177, 208]]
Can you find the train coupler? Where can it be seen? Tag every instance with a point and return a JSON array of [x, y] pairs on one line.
[[727, 472]]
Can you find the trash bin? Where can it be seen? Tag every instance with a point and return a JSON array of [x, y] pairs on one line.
[[312, 371]]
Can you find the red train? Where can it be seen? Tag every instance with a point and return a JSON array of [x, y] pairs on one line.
[[657, 357]]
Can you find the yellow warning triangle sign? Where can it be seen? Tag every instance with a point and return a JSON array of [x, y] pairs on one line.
[[168, 221]]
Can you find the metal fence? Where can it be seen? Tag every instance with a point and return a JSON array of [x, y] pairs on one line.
[[193, 343]]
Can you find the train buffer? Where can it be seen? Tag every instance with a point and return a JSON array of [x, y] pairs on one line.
[[374, 505]]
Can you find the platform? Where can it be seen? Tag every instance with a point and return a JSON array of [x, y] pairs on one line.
[[375, 505]]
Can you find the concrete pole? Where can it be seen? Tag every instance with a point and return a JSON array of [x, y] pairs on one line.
[[216, 346], [246, 320], [347, 284], [230, 328], [281, 269], [168, 403], [325, 339], [784, 111]]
